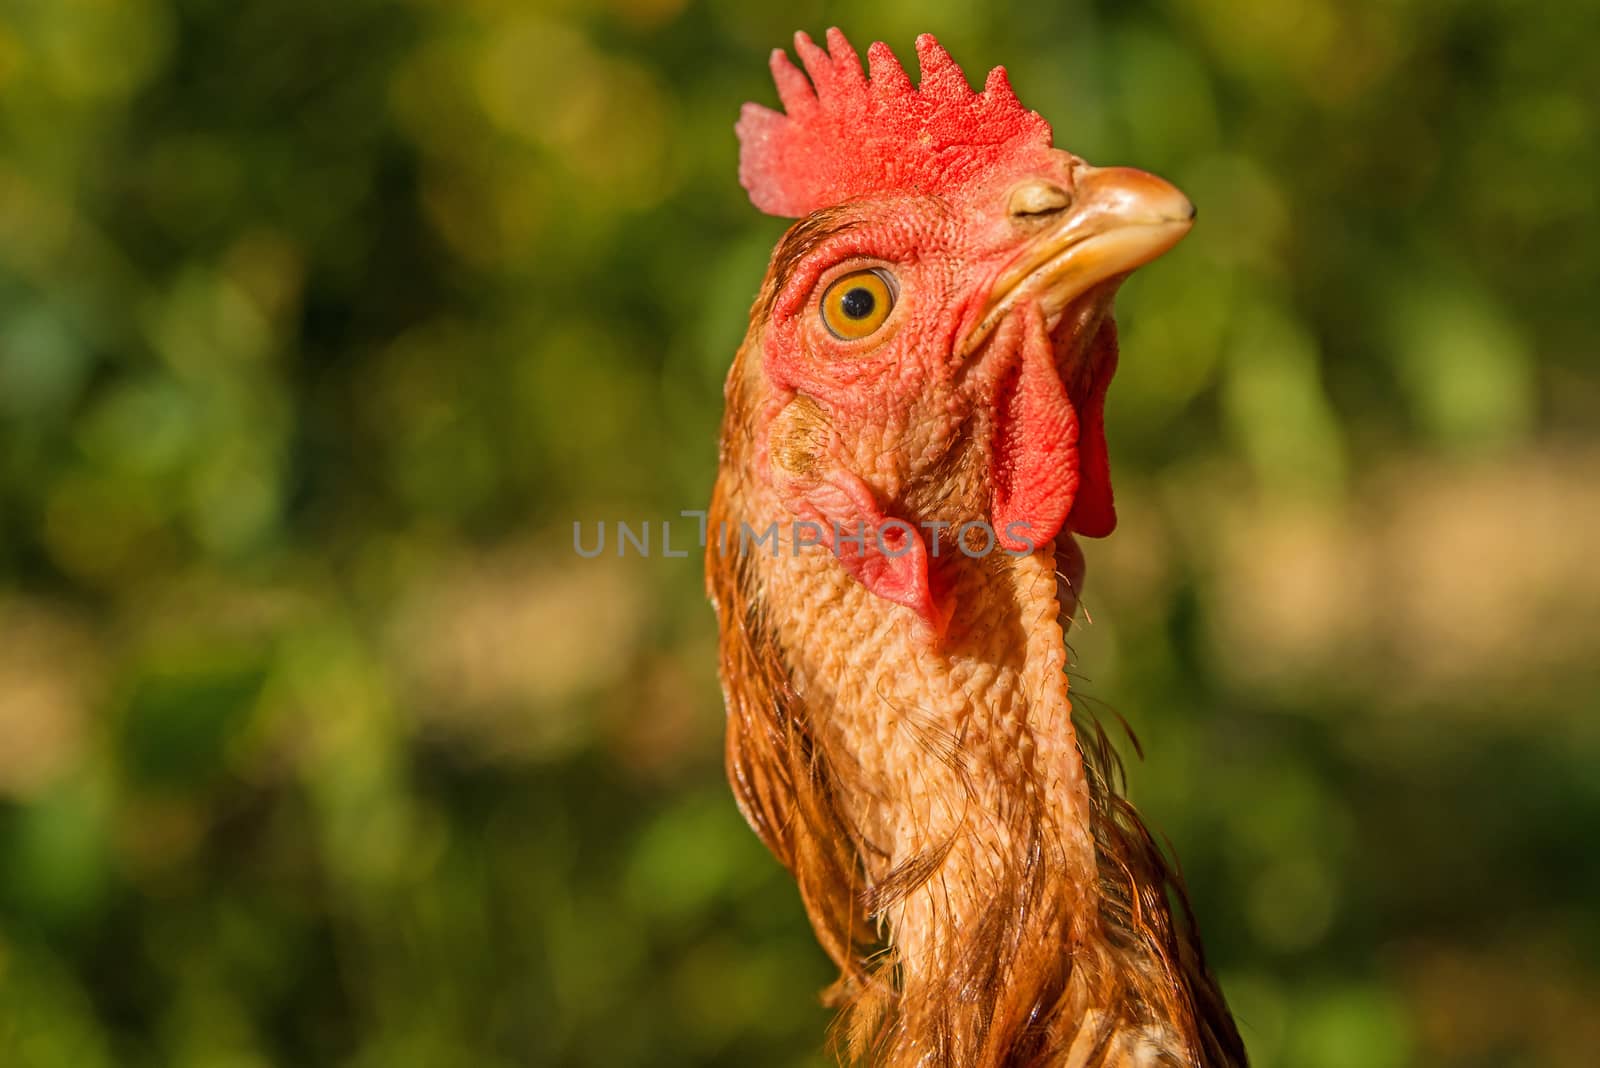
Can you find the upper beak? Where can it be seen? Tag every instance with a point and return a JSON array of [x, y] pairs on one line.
[[1117, 219]]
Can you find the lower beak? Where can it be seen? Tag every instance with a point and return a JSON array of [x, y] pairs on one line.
[[1119, 219]]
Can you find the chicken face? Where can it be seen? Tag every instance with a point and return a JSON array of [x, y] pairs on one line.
[[937, 356]]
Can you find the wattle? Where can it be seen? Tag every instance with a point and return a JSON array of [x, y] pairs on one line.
[[1049, 464]]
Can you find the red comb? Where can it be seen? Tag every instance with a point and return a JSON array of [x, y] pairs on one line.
[[847, 136]]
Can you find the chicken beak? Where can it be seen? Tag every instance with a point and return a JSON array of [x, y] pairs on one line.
[[1118, 219], [1049, 466]]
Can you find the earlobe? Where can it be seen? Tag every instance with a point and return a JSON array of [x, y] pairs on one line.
[[797, 439]]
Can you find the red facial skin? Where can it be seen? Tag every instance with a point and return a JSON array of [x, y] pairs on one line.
[[907, 383]]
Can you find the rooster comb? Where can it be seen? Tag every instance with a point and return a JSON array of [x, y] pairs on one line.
[[845, 135]]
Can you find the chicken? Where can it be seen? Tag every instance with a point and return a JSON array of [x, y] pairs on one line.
[[913, 435]]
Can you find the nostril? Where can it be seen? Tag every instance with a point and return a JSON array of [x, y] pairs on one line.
[[1037, 198]]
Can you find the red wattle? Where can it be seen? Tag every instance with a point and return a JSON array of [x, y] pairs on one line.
[[1035, 455], [1093, 512]]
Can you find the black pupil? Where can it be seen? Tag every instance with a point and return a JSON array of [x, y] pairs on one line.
[[858, 303]]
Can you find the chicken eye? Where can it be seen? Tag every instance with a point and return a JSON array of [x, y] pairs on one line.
[[857, 304]]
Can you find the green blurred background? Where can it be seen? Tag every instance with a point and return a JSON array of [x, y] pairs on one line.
[[322, 320]]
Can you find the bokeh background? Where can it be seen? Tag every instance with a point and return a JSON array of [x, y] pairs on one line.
[[322, 321]]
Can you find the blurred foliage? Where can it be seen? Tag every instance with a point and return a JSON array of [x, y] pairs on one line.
[[321, 322]]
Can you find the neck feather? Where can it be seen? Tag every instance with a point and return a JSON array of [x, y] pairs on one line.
[[959, 842]]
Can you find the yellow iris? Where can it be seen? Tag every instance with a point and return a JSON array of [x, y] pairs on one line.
[[857, 304]]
